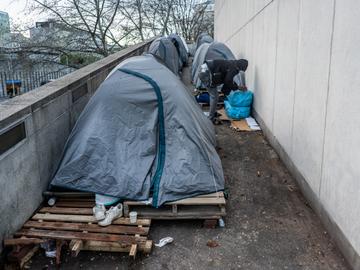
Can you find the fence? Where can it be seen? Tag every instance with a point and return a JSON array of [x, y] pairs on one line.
[[29, 80]]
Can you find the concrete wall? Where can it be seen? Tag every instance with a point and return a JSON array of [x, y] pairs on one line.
[[304, 70], [49, 114]]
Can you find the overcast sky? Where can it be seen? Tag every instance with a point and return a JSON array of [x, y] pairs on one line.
[[18, 11]]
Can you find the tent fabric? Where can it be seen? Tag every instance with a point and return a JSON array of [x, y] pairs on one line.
[[219, 50], [206, 52], [203, 38], [164, 49], [180, 47], [198, 60], [185, 44], [142, 134]]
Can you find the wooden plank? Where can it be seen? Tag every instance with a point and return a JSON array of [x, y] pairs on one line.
[[133, 250], [212, 195], [23, 241], [28, 256], [184, 212], [87, 219], [147, 247], [75, 247], [59, 245], [209, 199], [157, 216], [66, 235], [188, 201], [144, 247], [199, 201], [66, 210], [22, 256], [115, 229]]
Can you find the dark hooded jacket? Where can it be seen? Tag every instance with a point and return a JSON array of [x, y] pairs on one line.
[[224, 71]]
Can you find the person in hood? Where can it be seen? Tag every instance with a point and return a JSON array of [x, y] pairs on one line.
[[227, 74]]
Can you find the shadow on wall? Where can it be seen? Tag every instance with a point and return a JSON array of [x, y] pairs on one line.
[[255, 83]]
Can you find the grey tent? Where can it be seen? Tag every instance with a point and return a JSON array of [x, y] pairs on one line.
[[203, 38], [199, 59], [163, 48], [180, 47], [215, 50], [142, 134]]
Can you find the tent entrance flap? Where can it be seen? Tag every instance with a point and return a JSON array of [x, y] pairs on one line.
[[155, 183]]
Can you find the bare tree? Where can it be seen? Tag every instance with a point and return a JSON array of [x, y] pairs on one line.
[[191, 17], [85, 30], [93, 23], [147, 18]]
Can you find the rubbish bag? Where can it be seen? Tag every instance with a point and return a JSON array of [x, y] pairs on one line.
[[238, 104], [236, 113], [240, 98]]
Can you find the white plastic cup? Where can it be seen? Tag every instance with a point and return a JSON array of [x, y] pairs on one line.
[[52, 201], [133, 217]]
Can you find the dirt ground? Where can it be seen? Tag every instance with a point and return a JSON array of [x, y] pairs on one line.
[[269, 225]]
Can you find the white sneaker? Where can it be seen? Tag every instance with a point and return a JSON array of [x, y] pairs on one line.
[[113, 213], [99, 212]]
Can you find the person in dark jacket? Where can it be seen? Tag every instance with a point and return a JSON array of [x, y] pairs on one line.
[[229, 74]]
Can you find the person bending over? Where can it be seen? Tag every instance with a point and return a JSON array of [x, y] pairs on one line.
[[227, 74]]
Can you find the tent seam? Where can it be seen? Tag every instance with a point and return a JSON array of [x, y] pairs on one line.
[[161, 152]]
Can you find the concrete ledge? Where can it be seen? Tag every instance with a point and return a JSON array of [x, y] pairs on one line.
[[335, 232]]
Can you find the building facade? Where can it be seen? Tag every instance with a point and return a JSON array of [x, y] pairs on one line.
[[4, 23], [304, 70]]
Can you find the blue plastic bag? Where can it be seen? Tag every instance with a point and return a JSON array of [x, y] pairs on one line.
[[236, 113], [238, 104], [240, 98], [203, 98]]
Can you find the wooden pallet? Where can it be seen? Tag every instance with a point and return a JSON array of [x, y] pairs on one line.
[[71, 222], [208, 207]]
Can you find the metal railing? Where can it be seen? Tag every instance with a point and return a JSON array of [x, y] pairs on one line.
[[29, 80]]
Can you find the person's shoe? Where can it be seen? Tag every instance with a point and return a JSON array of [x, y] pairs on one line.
[[99, 212], [113, 213]]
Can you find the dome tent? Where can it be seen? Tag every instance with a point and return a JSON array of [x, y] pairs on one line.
[[164, 49], [199, 59], [137, 134], [203, 38], [215, 50], [180, 47]]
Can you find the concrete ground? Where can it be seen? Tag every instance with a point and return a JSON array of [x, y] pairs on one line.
[[269, 224]]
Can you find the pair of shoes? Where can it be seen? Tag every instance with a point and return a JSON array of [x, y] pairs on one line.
[[104, 217]]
